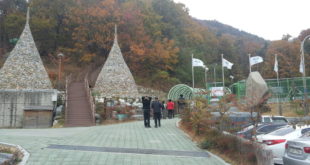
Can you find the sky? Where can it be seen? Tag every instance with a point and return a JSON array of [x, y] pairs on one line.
[[269, 19]]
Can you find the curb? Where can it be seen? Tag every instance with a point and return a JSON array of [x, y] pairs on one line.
[[215, 156], [218, 158], [21, 149]]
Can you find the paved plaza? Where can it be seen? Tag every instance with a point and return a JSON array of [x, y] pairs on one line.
[[118, 144]]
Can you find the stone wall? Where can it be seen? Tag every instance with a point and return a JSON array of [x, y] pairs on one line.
[[13, 102], [143, 91]]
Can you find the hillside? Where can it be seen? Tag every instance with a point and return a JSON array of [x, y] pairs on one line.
[[219, 28], [157, 39]]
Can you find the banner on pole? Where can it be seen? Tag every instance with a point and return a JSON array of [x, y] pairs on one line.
[[197, 62], [226, 63], [255, 60], [275, 68]]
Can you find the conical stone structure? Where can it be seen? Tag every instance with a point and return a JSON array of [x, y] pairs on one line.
[[115, 78], [24, 69]]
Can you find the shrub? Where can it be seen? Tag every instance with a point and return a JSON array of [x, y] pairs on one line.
[[185, 117], [243, 152], [251, 157], [206, 144], [198, 120], [107, 112], [17, 155]]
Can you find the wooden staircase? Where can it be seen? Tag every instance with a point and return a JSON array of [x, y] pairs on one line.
[[80, 109]]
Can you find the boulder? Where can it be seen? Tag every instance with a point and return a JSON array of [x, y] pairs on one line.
[[256, 89]]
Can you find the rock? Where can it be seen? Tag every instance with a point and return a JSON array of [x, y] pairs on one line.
[[256, 89]]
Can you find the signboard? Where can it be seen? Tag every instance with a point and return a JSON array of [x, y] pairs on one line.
[[217, 91]]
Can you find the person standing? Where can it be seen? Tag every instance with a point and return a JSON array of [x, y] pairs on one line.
[[164, 110], [170, 108], [181, 103], [156, 108], [146, 101]]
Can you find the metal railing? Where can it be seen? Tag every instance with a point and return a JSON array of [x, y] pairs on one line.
[[68, 81], [90, 99]]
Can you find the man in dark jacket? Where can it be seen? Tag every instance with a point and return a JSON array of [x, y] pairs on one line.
[[181, 103], [157, 108], [146, 101]]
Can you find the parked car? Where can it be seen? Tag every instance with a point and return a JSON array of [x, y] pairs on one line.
[[248, 133], [237, 119], [275, 141], [297, 151], [273, 119]]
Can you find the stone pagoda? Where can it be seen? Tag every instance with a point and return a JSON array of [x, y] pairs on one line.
[[24, 69], [115, 79]]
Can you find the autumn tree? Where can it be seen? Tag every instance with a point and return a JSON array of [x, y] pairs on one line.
[[288, 55]]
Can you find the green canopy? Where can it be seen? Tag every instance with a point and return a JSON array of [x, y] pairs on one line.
[[186, 91]]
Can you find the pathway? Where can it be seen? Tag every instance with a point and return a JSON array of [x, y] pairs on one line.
[[79, 112], [119, 144]]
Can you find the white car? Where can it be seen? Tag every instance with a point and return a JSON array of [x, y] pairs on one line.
[[276, 140], [297, 151], [273, 119]]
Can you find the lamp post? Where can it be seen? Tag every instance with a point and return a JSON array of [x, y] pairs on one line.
[[304, 74], [60, 56]]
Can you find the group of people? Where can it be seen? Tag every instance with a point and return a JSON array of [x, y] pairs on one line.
[[157, 108]]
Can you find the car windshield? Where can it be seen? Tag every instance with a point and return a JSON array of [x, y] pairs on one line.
[[267, 120], [305, 131], [282, 132], [279, 120], [268, 128], [306, 135]]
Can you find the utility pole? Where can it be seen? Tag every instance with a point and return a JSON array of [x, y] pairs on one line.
[[306, 108]]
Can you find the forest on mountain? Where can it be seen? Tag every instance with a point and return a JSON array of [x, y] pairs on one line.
[[157, 39]]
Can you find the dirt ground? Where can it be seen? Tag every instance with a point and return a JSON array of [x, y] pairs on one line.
[[293, 109]]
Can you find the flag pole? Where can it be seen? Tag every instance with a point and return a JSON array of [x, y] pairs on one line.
[[206, 80], [250, 62], [223, 74], [193, 72], [279, 105]]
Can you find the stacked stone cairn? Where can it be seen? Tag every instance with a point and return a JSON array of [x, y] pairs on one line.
[[24, 69], [115, 79]]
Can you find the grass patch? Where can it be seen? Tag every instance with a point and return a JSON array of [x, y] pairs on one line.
[[289, 109]]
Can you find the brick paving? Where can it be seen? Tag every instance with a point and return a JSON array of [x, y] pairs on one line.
[[131, 136]]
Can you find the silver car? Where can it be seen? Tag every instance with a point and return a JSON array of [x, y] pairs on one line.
[[297, 152]]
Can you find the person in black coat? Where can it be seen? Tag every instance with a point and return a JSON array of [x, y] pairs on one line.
[[146, 101], [157, 108], [181, 103]]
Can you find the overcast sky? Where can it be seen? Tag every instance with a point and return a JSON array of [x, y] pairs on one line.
[[270, 19]]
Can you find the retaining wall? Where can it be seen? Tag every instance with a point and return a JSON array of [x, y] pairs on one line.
[[13, 103]]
